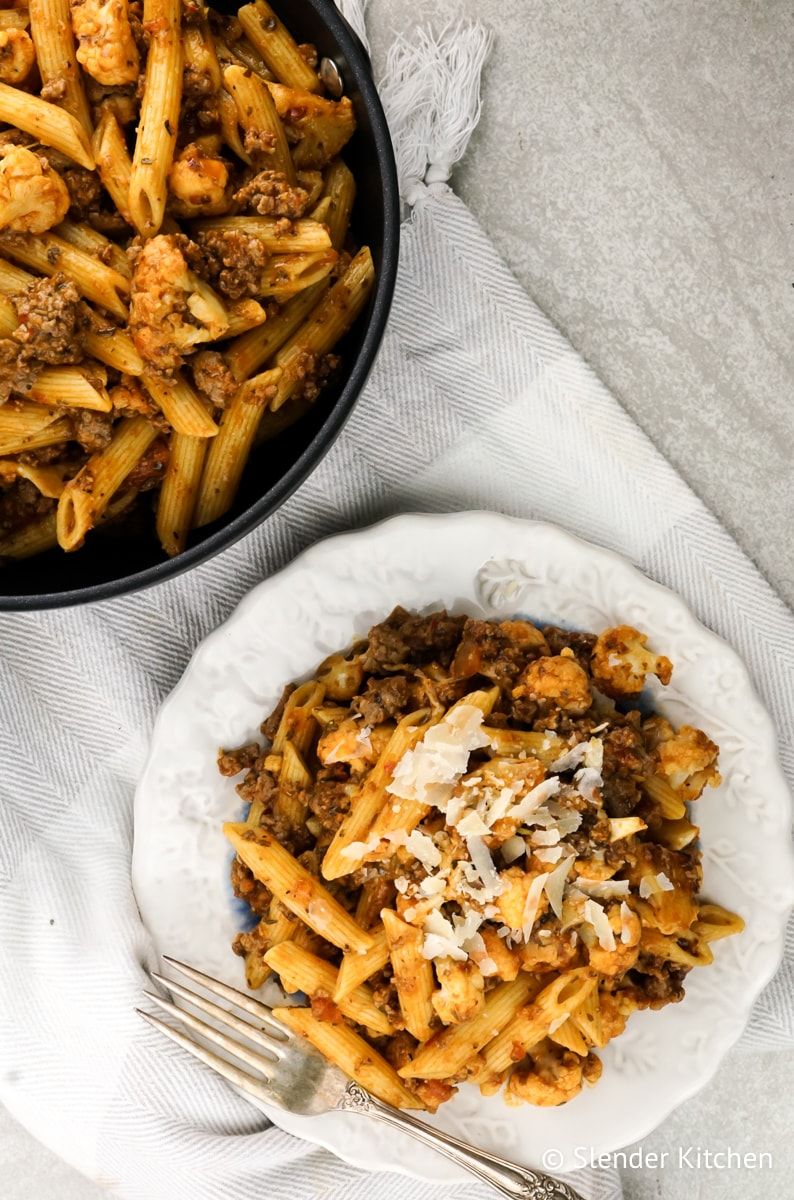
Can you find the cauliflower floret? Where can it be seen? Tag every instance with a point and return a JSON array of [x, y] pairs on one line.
[[554, 1077], [623, 957], [17, 55], [688, 761], [351, 742], [512, 901], [461, 991], [621, 662], [171, 309], [556, 953], [198, 182], [33, 197], [107, 49], [505, 958], [559, 679]]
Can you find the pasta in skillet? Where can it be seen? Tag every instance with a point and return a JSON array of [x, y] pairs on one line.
[[176, 263], [473, 855]]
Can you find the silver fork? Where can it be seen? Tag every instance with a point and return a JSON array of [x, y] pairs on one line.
[[286, 1071]]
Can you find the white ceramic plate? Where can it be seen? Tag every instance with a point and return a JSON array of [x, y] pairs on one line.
[[494, 566]]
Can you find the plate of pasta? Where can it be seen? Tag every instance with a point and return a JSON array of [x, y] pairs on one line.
[[198, 230], [490, 818]]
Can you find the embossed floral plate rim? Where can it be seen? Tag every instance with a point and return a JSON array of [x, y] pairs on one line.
[[493, 565]]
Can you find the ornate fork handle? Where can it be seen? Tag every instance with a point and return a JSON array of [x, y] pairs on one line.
[[519, 1183]]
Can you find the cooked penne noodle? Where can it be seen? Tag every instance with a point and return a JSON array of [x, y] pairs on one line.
[[13, 279], [714, 922], [78, 233], [345, 852], [51, 30], [302, 237], [294, 777], [319, 127], [246, 354], [47, 123], [34, 538], [176, 502], [356, 968], [69, 387], [264, 139], [244, 315], [447, 1052], [201, 56], [25, 435], [339, 192], [348, 1051], [510, 743], [570, 1037], [157, 131], [297, 723], [297, 889], [413, 974], [86, 497], [671, 806], [181, 404], [287, 274], [328, 322], [115, 348], [301, 971], [48, 253], [231, 448], [9, 320], [230, 126], [531, 1023], [113, 162], [47, 480], [279, 50]]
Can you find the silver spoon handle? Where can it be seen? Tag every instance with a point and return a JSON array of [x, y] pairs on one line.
[[518, 1183]]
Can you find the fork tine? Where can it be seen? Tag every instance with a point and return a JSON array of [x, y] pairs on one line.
[[247, 1003], [241, 1079], [249, 1057], [270, 1044]]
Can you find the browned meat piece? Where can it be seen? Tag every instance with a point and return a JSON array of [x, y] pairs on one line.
[[329, 802], [258, 785], [93, 430], [256, 941], [212, 376], [16, 374], [22, 502], [272, 723], [232, 762], [233, 262], [498, 651], [659, 982], [249, 889], [150, 470], [403, 638], [313, 372], [399, 1049], [53, 321], [625, 757], [54, 90], [85, 190], [271, 194], [581, 643], [383, 698], [130, 400]]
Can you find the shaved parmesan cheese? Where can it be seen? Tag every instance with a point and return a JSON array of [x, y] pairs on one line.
[[594, 915], [664, 883], [558, 1022], [567, 820], [594, 754], [428, 772], [570, 759], [603, 889], [587, 781], [513, 848], [452, 939], [432, 885], [481, 858], [401, 883], [531, 905], [487, 966], [423, 848], [472, 824], [551, 854], [648, 886], [360, 849], [554, 883], [533, 799], [626, 922], [545, 837]]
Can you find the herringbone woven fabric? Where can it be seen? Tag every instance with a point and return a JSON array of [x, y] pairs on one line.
[[476, 402]]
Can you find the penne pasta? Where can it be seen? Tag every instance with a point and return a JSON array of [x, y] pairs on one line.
[[671, 806], [297, 724], [356, 968], [180, 403], [301, 971], [346, 850], [246, 354], [294, 778], [339, 192], [86, 497], [19, 433], [231, 448], [299, 237], [48, 480], [47, 123], [297, 889], [157, 131], [412, 974], [319, 127], [201, 55], [113, 162], [34, 538], [287, 274], [115, 348], [264, 140], [176, 502], [48, 253], [714, 922], [84, 237], [279, 50], [51, 30], [348, 1051], [70, 387], [244, 315]]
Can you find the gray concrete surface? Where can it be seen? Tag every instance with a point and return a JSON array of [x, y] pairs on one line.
[[634, 166]]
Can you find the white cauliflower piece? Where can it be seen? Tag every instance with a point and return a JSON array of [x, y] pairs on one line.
[[33, 197], [106, 47], [621, 661], [198, 183], [554, 1077], [171, 309], [688, 761], [17, 55], [461, 991], [559, 679]]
